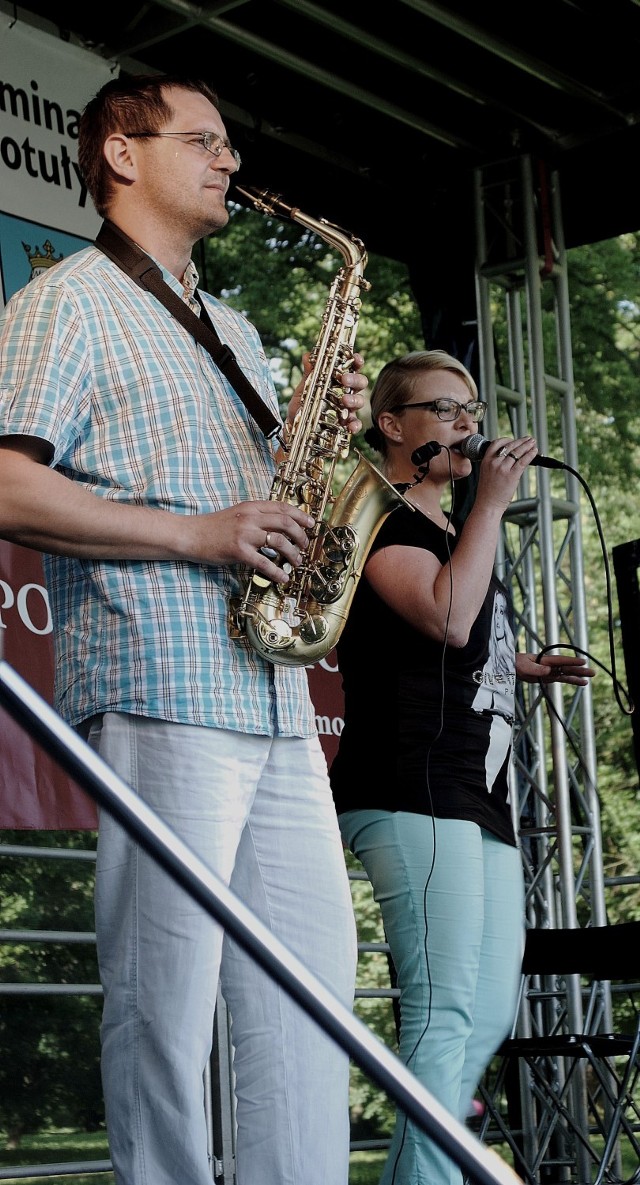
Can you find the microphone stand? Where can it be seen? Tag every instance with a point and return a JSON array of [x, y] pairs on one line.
[[86, 767]]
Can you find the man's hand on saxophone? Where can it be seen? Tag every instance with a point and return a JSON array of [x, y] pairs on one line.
[[270, 537], [354, 384]]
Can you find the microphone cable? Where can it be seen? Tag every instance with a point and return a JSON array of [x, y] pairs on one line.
[[474, 447], [422, 457], [618, 687]]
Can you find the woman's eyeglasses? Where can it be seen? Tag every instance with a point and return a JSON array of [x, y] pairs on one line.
[[450, 409]]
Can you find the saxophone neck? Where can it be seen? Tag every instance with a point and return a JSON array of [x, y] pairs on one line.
[[269, 203]]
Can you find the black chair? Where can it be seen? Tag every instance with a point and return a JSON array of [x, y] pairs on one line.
[[566, 1102]]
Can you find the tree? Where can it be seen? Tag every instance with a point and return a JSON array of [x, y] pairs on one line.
[[286, 299], [49, 1047], [604, 281]]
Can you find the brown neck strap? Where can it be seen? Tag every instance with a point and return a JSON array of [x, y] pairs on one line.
[[143, 271]]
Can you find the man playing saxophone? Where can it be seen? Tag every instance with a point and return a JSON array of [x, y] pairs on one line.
[[134, 466]]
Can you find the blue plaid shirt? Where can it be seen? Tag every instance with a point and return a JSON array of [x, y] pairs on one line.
[[137, 412]]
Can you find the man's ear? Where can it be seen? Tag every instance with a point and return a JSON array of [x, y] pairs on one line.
[[120, 155]]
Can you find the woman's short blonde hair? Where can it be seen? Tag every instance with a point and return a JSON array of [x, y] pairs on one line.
[[396, 383]]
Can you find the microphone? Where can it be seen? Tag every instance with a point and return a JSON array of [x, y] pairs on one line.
[[474, 447], [422, 455]]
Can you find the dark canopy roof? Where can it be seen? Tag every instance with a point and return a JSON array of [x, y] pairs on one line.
[[376, 115]]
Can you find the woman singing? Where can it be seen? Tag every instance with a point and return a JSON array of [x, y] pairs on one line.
[[420, 779]]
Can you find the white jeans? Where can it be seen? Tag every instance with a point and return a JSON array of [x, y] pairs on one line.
[[259, 812]]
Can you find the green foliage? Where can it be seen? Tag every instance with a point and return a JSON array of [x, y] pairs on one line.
[[371, 1111], [604, 283], [365, 1168], [49, 1047], [280, 274], [605, 296], [60, 1146]]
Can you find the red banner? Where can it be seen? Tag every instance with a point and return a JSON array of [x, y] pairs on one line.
[[34, 792]]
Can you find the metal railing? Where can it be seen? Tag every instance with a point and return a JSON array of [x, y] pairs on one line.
[[113, 795]]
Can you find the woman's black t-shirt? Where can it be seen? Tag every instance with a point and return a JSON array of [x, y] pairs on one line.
[[427, 726]]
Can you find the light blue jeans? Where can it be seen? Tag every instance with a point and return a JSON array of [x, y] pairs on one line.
[[452, 903], [259, 812]]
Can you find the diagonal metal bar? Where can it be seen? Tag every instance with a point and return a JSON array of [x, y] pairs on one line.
[[150, 832]]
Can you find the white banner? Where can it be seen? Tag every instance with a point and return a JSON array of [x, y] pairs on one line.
[[44, 84]]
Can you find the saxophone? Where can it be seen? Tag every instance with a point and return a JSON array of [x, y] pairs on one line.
[[299, 623]]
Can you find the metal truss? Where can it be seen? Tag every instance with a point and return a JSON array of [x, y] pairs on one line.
[[527, 379], [526, 376]]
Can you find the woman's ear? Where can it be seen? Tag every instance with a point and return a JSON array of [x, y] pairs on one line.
[[390, 425]]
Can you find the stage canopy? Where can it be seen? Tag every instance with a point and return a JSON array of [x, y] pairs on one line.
[[376, 116]]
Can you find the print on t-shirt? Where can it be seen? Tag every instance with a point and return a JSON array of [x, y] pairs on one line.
[[496, 685]]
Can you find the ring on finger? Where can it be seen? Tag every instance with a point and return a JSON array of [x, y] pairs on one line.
[[504, 452], [267, 550]]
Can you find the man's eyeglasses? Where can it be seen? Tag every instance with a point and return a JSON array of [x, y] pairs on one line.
[[211, 141], [450, 409]]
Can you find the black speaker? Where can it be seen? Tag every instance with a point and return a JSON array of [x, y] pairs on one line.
[[626, 562]]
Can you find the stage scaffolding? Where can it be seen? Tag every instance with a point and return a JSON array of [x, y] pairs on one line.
[[527, 379], [526, 376]]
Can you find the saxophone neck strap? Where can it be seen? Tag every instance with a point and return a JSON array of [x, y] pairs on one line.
[[121, 250]]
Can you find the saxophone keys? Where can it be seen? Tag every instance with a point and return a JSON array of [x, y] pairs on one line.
[[339, 542], [309, 493], [275, 634], [314, 628]]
